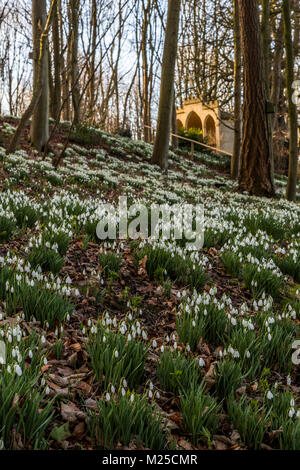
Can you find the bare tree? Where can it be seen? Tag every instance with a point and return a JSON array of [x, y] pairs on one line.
[[293, 160], [256, 167], [161, 146], [40, 81], [39, 130], [235, 161]]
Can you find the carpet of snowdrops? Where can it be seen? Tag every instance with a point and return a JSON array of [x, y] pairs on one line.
[[144, 345]]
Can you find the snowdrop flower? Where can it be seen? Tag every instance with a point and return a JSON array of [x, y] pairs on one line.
[[154, 344], [18, 370], [107, 396], [144, 335], [270, 395], [201, 362], [116, 354], [124, 383], [291, 412]]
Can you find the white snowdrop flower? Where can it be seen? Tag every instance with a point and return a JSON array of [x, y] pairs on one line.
[[112, 389], [9, 338], [124, 383], [154, 344], [68, 280], [220, 353], [201, 362], [151, 386], [233, 321], [107, 396], [162, 348], [288, 380], [43, 381], [150, 394], [18, 370], [270, 395], [30, 354], [45, 361], [132, 397], [292, 403], [116, 354], [188, 348], [175, 345], [8, 369], [123, 392], [144, 334], [269, 337], [248, 354], [47, 391], [43, 339], [157, 395], [291, 412]]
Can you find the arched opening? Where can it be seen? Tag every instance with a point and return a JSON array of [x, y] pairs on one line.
[[210, 128], [179, 124], [193, 121]]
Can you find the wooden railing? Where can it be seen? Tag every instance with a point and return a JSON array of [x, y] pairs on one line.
[[195, 142]]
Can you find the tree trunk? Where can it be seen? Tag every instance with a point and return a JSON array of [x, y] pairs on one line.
[[161, 146], [94, 28], [235, 161], [292, 110], [56, 101], [39, 130], [266, 38], [37, 94], [75, 4], [174, 124], [144, 49], [276, 85], [256, 168]]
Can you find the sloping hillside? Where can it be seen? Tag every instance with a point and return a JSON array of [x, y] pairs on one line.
[[143, 344]]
